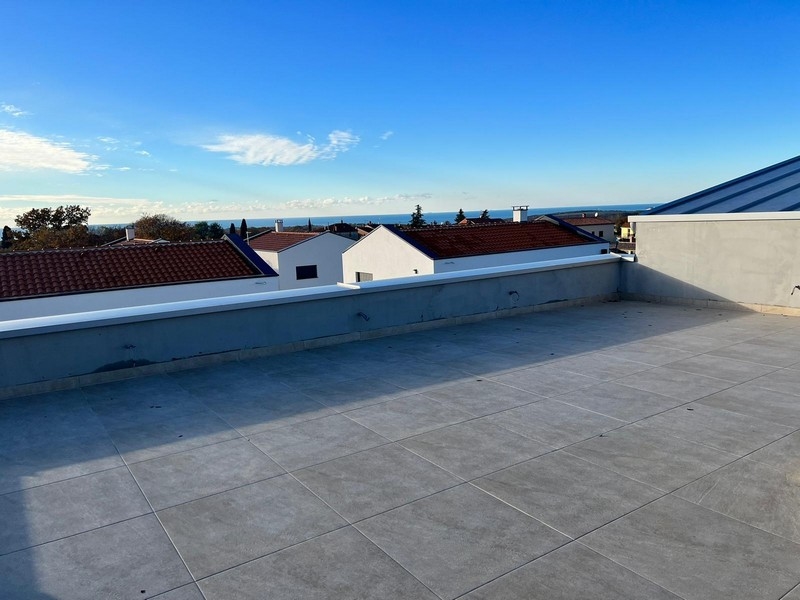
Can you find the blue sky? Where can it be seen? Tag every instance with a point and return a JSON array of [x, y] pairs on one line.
[[222, 110]]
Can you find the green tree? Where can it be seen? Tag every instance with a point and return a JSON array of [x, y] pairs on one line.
[[60, 227], [417, 219], [58, 218], [8, 238], [203, 230], [161, 226], [460, 216], [485, 213]]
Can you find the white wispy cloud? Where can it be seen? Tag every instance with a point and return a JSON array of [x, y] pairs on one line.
[[143, 152], [386, 135], [108, 140], [21, 151], [12, 110], [271, 150], [105, 209]]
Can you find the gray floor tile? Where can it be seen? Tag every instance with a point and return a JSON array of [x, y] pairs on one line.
[[619, 401], [185, 476], [651, 456], [547, 381], [554, 423], [355, 393], [755, 401], [674, 383], [688, 342], [22, 426], [786, 381], [186, 592], [720, 367], [341, 564], [316, 441], [459, 539], [50, 461], [572, 572], [118, 561], [600, 366], [793, 595], [227, 529], [251, 415], [56, 510], [649, 353], [418, 377], [375, 480], [474, 448], [757, 351], [782, 454], [699, 554], [404, 417], [567, 493], [743, 489], [125, 406], [152, 440], [481, 397], [718, 428]]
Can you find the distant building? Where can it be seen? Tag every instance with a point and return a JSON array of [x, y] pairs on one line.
[[51, 282], [130, 239], [602, 228], [391, 251], [344, 229], [302, 259]]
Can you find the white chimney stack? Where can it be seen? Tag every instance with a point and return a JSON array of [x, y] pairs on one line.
[[278, 225], [130, 233], [520, 214]]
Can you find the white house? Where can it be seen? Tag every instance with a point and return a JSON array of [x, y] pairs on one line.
[[391, 251], [302, 259], [76, 280]]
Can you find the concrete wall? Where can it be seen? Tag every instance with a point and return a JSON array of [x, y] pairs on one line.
[[384, 255], [118, 343], [746, 260], [76, 303]]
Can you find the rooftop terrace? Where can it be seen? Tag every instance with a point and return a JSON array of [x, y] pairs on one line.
[[617, 450]]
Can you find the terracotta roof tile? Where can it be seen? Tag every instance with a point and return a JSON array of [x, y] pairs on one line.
[[584, 221], [274, 241], [474, 240], [56, 272]]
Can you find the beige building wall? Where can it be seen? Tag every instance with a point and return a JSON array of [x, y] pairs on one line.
[[746, 259]]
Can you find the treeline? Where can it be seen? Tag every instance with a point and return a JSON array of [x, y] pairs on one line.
[[68, 227]]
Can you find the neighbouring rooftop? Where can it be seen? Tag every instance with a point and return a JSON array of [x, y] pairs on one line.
[[275, 241], [617, 450], [79, 270], [493, 238]]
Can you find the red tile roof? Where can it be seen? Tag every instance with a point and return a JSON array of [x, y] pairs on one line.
[[584, 221], [474, 240], [274, 241], [56, 272]]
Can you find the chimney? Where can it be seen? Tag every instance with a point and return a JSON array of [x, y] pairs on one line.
[[278, 225], [130, 233], [520, 214]]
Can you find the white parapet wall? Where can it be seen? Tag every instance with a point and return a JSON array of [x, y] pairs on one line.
[[744, 260], [60, 351]]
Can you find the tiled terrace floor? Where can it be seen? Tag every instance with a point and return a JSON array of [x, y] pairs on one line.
[[612, 451]]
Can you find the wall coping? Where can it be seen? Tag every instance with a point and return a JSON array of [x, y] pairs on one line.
[[701, 217]]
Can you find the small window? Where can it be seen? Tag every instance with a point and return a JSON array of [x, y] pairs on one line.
[[306, 272], [600, 233], [361, 276]]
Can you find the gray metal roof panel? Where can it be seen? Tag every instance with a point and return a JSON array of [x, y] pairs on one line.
[[773, 189]]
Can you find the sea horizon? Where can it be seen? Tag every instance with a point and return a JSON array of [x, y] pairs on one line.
[[403, 218]]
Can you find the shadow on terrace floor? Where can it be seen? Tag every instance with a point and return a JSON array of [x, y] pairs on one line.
[[95, 483]]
